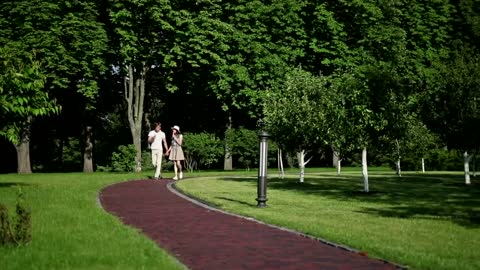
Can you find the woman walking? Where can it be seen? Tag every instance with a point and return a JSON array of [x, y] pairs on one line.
[[175, 152]]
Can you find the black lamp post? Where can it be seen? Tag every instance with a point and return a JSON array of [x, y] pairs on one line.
[[262, 165]]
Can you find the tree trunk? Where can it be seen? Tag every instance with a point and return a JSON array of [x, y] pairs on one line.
[[88, 151], [335, 158], [23, 156], [339, 166], [280, 164], [397, 163], [228, 159], [399, 169], [365, 170], [134, 90], [301, 165], [23, 149], [148, 123], [423, 165], [466, 160]]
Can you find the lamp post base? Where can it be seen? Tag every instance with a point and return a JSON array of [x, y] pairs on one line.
[[262, 202]]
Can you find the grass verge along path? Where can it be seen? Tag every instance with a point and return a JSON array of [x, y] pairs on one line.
[[71, 230]]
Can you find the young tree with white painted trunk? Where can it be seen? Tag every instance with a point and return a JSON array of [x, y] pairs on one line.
[[356, 123], [301, 155], [299, 112], [337, 161], [281, 171], [365, 170], [416, 142], [466, 168], [419, 141]]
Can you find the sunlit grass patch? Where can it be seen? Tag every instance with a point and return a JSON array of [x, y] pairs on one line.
[[72, 231]]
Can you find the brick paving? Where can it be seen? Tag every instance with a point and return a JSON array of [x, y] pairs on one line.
[[204, 239]]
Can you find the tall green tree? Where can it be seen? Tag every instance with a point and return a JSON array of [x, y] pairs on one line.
[[143, 34], [455, 108], [67, 40], [451, 99], [21, 98], [245, 47]]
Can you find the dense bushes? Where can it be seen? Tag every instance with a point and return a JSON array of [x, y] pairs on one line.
[[444, 160], [123, 160], [202, 150]]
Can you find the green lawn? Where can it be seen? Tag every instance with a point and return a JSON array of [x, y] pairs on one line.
[[70, 229], [429, 221]]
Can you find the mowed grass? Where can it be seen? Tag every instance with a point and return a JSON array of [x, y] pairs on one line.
[[422, 221], [70, 228]]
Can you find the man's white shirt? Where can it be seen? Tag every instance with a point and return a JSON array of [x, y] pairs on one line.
[[157, 141]]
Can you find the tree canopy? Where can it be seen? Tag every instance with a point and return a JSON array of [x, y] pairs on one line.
[[324, 74]]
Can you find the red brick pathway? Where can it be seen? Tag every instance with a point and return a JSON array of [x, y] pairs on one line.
[[204, 239]]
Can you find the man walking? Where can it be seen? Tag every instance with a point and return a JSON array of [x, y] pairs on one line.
[[155, 138]]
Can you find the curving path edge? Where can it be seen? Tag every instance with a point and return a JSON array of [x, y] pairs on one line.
[[206, 239]]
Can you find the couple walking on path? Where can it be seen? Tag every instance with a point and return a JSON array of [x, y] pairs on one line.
[[157, 141]]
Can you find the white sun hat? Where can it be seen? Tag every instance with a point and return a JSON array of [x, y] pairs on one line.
[[177, 128]]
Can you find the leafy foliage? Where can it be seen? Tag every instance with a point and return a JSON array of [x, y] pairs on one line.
[[303, 111], [419, 142], [367, 69], [201, 149], [21, 92], [124, 159], [455, 107], [244, 146]]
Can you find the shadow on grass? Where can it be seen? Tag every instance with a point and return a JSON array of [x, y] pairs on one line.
[[236, 201], [422, 196], [13, 184]]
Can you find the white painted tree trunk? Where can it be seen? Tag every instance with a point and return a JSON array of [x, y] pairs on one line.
[[365, 170], [302, 163], [397, 163], [423, 165], [466, 160], [337, 161], [399, 169], [281, 172], [339, 166]]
